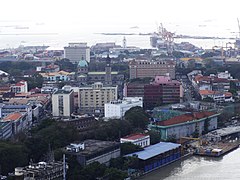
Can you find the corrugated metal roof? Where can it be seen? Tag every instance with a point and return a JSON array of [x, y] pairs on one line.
[[155, 150]]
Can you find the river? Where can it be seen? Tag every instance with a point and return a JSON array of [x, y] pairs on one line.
[[203, 168]]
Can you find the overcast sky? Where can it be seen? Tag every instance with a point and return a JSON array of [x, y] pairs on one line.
[[77, 20], [108, 15]]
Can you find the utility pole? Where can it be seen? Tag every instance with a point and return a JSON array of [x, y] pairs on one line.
[[64, 167]]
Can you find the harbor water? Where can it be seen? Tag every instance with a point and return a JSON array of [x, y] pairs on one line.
[[204, 168]]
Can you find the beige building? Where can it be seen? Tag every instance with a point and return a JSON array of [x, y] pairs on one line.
[[62, 103], [92, 98], [147, 68]]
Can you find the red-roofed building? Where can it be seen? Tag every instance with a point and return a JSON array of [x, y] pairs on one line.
[[216, 95], [20, 87], [139, 139], [186, 125], [18, 121]]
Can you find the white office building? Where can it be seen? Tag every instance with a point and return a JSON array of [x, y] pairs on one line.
[[117, 109], [62, 103], [77, 51], [137, 139]]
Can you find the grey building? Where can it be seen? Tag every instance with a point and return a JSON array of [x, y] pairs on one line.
[[93, 151], [75, 51], [5, 130], [62, 103]]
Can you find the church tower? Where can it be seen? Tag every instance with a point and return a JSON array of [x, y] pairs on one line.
[[108, 71]]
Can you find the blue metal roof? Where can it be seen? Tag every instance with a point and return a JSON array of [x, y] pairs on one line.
[[155, 150], [14, 106]]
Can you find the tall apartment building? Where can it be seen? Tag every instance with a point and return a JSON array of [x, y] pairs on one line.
[[92, 98], [76, 51], [147, 68], [62, 103]]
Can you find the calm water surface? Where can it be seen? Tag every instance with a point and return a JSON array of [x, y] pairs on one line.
[[226, 167]]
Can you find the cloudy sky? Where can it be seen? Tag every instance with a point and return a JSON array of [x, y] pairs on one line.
[[108, 15], [70, 17]]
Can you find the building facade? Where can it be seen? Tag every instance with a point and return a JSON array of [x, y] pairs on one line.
[[91, 151], [157, 155], [186, 125], [75, 51], [62, 103], [162, 90], [92, 98], [137, 139], [146, 68], [20, 87], [117, 109]]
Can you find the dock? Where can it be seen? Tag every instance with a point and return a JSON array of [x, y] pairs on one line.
[[218, 149]]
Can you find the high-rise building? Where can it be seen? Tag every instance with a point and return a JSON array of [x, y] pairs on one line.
[[62, 103], [162, 91], [76, 51], [92, 98], [147, 68]]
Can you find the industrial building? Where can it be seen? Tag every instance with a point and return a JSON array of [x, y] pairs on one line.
[[91, 151], [186, 124], [117, 109], [62, 105], [157, 155]]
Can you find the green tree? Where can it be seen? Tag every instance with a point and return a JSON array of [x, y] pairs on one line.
[[154, 137], [12, 155], [137, 117], [66, 65], [115, 174], [127, 148]]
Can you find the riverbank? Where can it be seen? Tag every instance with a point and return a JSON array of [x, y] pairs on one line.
[[198, 167]]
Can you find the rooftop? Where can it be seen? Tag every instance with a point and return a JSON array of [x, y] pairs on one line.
[[13, 116], [225, 131], [61, 91], [95, 146], [135, 136], [155, 150], [185, 118], [101, 73]]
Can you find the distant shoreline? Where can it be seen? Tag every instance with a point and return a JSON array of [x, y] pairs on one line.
[[177, 36]]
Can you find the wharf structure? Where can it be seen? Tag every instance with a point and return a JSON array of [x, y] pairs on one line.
[[157, 155]]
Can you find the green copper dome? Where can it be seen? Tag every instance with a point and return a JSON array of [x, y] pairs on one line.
[[82, 63]]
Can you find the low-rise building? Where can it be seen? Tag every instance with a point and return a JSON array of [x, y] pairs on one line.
[[18, 121], [6, 109], [91, 151], [5, 130], [186, 125], [57, 76], [157, 155], [117, 109], [39, 171], [20, 87], [216, 96], [137, 139]]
